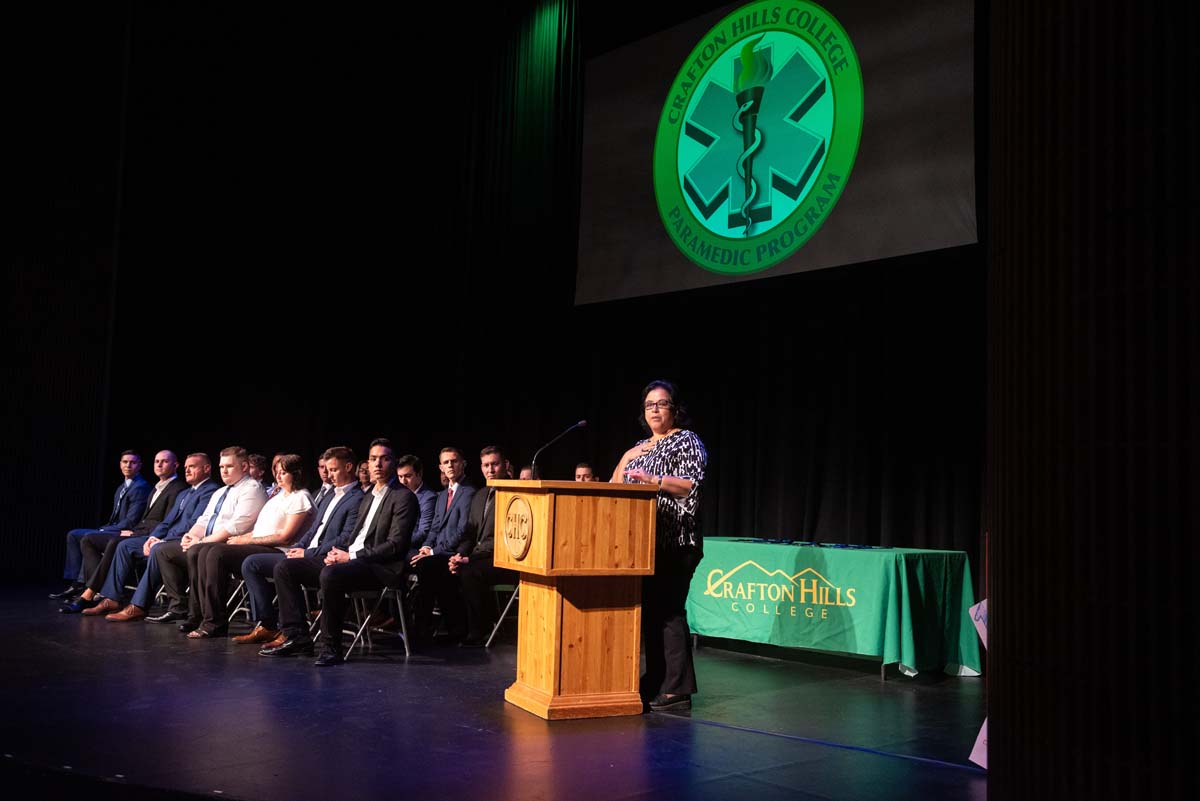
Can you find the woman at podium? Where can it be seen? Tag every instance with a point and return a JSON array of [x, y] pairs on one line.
[[673, 458]]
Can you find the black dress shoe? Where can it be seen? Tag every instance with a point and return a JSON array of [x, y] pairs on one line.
[[77, 606], [289, 647], [167, 617], [328, 657], [673, 703], [69, 592]]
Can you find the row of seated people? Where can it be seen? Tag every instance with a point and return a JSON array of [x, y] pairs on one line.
[[199, 534]]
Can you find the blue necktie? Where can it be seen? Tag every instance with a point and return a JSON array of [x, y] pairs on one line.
[[116, 514], [212, 521]]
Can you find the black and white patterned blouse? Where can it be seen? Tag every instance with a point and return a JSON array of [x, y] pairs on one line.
[[681, 455]]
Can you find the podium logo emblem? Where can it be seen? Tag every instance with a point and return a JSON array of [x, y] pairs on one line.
[[518, 527], [758, 135]]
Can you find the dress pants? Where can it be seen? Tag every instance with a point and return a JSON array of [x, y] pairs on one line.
[[97, 558], [436, 584], [151, 581], [210, 574], [120, 557], [334, 582], [176, 567], [477, 579], [73, 566], [665, 634], [256, 569]]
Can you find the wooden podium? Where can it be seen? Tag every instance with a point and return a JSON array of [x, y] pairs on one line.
[[582, 548]]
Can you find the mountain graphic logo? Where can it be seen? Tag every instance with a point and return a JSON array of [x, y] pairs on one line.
[[807, 586]]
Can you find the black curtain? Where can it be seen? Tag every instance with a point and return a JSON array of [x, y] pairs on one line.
[[329, 237], [1093, 442]]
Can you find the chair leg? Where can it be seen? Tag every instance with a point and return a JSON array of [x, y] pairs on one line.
[[364, 620], [399, 594], [500, 619]]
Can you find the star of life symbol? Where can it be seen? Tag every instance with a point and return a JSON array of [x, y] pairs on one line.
[[762, 143]]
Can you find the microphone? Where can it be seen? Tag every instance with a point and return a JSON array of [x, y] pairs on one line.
[[571, 428]]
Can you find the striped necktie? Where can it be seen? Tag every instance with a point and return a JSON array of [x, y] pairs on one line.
[[212, 521]]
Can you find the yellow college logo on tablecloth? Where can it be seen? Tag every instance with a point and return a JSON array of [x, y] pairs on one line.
[[774, 592]]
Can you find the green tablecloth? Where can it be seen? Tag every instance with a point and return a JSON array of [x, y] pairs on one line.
[[901, 605]]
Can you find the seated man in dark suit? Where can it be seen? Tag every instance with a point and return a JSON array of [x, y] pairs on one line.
[[333, 522], [129, 504], [430, 555], [374, 559], [99, 547], [129, 551], [326, 487], [472, 564]]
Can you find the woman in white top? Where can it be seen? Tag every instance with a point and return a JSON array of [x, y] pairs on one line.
[[282, 521]]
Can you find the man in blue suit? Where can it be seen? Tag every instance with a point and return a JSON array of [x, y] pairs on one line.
[[411, 473], [333, 524], [129, 505], [431, 556], [197, 472]]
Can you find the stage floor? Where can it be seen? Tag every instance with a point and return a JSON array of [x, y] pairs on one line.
[[94, 710]]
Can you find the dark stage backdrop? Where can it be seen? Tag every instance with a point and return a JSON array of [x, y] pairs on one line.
[[323, 241]]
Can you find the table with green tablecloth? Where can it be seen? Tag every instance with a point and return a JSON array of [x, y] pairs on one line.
[[899, 605]]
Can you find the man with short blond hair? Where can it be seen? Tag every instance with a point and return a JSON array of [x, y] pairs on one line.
[[231, 510]]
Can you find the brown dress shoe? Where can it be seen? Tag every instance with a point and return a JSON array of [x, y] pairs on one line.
[[103, 608], [258, 635], [127, 614], [278, 641]]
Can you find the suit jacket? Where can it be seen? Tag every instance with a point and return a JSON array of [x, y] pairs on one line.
[[344, 519], [128, 510], [158, 511], [189, 505], [390, 535], [479, 536], [428, 500], [446, 531]]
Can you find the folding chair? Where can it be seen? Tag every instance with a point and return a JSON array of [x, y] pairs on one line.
[[363, 612]]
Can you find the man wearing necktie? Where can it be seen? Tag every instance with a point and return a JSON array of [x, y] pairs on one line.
[[129, 505], [230, 511], [472, 564], [471, 573], [326, 484], [431, 556], [129, 551]]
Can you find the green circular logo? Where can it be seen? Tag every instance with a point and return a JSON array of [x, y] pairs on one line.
[[758, 136]]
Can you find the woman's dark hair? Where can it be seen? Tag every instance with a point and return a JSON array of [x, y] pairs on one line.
[[293, 464], [682, 419]]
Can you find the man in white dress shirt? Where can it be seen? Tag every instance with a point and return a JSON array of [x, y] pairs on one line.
[[230, 511]]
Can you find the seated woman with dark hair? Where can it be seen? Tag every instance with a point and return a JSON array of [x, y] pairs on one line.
[[282, 520]]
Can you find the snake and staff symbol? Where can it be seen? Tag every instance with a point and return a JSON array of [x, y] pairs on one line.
[[749, 84]]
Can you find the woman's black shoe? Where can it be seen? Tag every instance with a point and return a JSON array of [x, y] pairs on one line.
[[671, 703]]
